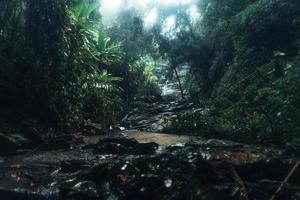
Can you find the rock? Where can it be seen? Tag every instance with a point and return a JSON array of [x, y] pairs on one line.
[[152, 117], [100, 173], [82, 190], [143, 122], [121, 128], [223, 143], [123, 145], [176, 108], [120, 140], [167, 114], [93, 128], [147, 148], [180, 173], [156, 127], [216, 143], [153, 177], [113, 148], [71, 166], [175, 147]]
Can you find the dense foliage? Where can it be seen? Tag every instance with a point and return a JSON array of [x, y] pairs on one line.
[[55, 63], [246, 59], [60, 63]]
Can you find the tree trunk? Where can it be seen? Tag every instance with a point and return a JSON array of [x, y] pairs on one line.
[[179, 83]]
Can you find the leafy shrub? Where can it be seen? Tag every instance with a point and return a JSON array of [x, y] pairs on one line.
[[143, 78], [53, 55], [269, 109], [192, 122]]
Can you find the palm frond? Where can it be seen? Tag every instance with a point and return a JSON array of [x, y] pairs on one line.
[[82, 10]]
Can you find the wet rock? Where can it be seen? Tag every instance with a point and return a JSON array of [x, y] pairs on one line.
[[112, 148], [146, 99], [127, 142], [147, 148], [100, 174], [157, 127], [175, 147], [82, 190], [179, 173], [145, 188], [216, 143], [93, 128], [153, 177], [167, 175], [124, 145], [120, 128], [73, 166], [177, 108], [152, 117]]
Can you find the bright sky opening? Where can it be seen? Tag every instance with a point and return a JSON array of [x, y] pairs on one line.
[[148, 9]]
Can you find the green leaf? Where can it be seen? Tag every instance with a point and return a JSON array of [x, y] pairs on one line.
[[83, 10]]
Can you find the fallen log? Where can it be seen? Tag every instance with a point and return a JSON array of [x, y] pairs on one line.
[[240, 182], [286, 180]]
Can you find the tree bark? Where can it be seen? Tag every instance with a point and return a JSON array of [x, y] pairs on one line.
[[179, 83]]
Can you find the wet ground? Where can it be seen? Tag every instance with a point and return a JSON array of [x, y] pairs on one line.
[[163, 167], [146, 164]]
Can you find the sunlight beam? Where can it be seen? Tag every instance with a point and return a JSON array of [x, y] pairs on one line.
[[111, 5], [151, 18]]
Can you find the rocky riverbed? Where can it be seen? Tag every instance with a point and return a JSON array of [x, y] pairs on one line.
[[139, 165], [154, 117], [140, 162]]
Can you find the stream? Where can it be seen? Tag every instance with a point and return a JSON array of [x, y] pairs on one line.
[[139, 164]]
